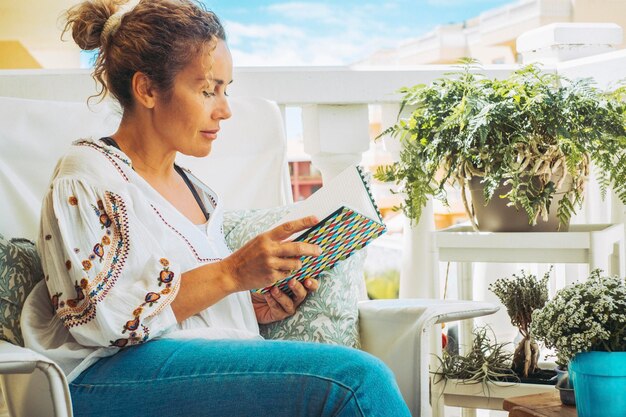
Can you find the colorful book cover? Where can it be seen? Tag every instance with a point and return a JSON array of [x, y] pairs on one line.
[[339, 234]]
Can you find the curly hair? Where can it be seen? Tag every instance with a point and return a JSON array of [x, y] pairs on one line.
[[157, 38]]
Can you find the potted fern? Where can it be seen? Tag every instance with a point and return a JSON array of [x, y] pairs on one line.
[[523, 144]]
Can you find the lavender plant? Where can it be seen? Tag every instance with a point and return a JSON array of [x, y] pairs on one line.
[[586, 316]]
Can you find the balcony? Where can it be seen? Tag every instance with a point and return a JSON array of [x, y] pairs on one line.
[[335, 106], [333, 101]]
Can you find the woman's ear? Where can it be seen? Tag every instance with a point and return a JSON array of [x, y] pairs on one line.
[[143, 90]]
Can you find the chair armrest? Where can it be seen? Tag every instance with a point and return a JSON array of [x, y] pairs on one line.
[[397, 332], [434, 311], [18, 360]]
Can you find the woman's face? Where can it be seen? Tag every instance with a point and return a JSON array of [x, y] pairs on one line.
[[189, 120]]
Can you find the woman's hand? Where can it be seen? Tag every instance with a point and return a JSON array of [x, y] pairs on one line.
[[268, 257], [275, 305]]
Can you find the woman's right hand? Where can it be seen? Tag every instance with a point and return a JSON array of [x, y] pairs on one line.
[[268, 257]]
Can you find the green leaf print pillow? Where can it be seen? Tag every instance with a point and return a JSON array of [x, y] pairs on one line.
[[330, 315], [20, 270]]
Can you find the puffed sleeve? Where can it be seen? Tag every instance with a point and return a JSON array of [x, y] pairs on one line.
[[109, 280]]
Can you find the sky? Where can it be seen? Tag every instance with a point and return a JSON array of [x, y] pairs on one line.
[[325, 32]]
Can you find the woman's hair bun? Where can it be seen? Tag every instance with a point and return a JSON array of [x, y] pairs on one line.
[[86, 21]]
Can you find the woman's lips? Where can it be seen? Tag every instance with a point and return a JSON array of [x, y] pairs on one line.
[[209, 134]]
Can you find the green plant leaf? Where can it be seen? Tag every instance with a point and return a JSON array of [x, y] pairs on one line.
[[519, 131]]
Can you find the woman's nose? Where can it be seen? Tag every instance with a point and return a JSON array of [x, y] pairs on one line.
[[222, 111]]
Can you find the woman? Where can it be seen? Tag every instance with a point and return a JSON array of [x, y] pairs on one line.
[[151, 313]]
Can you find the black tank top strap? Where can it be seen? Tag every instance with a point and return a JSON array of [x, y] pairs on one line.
[[110, 141], [193, 190]]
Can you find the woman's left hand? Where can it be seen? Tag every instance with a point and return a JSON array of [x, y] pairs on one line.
[[275, 305]]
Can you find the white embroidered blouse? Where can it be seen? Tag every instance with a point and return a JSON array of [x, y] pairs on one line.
[[112, 250]]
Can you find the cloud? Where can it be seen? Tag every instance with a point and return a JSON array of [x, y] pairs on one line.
[[295, 51], [350, 33], [291, 51], [339, 14], [302, 10], [238, 32]]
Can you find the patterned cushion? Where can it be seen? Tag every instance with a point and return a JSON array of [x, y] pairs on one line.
[[20, 270], [330, 315]]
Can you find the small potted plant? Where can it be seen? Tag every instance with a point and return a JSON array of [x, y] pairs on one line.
[[487, 361], [521, 295], [586, 325], [522, 146]]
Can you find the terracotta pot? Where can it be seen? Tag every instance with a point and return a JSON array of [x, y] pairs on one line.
[[496, 216]]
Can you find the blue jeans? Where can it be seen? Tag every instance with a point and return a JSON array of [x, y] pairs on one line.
[[237, 378]]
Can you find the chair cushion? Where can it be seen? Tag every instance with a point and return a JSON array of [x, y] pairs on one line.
[[20, 270], [34, 135], [330, 315], [247, 166]]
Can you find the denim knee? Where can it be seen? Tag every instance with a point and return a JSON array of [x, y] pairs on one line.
[[373, 384]]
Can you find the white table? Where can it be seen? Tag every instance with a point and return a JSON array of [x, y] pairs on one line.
[[598, 245]]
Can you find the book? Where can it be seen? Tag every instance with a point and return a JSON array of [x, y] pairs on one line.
[[350, 221]]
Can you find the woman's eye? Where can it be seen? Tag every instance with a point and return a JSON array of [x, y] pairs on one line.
[[207, 93]]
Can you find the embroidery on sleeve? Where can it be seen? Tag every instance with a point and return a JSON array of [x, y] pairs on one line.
[[55, 299], [80, 294], [108, 155], [136, 337], [82, 309], [166, 276]]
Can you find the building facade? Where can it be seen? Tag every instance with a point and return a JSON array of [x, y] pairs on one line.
[[490, 37]]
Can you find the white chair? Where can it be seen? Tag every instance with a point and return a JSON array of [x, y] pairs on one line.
[[33, 134]]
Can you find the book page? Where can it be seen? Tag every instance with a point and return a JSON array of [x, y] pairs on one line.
[[346, 189]]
